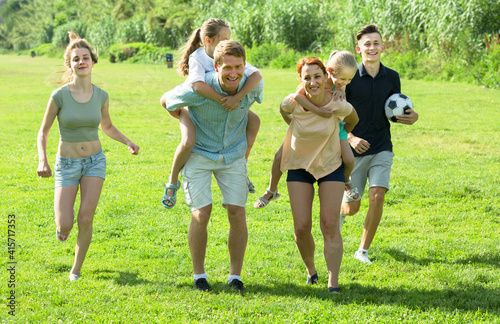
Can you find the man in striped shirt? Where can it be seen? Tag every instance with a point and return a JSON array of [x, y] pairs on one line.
[[219, 150]]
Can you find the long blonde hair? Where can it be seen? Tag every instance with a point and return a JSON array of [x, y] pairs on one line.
[[75, 42], [341, 59], [210, 28]]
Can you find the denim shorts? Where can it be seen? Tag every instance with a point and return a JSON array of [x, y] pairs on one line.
[[302, 175], [68, 172]]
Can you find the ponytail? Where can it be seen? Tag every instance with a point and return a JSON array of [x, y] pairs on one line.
[[210, 29], [192, 45]]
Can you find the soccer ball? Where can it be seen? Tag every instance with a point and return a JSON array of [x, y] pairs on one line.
[[396, 105]]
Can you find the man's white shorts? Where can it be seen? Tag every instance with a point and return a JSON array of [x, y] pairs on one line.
[[231, 178]]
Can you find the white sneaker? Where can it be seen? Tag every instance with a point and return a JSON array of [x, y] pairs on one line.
[[362, 256], [73, 277]]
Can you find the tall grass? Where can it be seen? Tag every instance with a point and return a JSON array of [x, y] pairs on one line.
[[436, 254]]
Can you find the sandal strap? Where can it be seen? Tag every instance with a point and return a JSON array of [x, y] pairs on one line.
[[273, 193], [171, 199], [173, 186]]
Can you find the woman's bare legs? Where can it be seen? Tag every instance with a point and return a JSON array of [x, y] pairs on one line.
[[301, 199], [64, 202], [330, 197]]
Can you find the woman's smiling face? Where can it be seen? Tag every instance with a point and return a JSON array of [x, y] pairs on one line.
[[81, 62], [313, 79]]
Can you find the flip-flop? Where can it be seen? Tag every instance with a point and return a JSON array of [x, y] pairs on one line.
[[171, 199]]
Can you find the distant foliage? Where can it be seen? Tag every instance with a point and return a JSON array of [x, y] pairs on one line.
[[296, 24], [131, 30], [138, 52], [102, 33], [439, 39], [272, 55], [60, 37]]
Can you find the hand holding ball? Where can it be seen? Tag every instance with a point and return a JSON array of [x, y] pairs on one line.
[[396, 105]]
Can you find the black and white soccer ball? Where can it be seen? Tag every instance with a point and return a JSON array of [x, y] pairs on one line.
[[396, 105]]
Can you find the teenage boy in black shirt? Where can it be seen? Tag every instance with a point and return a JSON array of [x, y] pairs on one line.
[[371, 138]]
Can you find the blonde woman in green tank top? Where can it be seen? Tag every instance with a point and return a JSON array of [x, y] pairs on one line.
[[80, 107]]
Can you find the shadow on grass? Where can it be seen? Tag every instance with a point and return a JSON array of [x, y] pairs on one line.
[[121, 278], [488, 259], [461, 298], [466, 299]]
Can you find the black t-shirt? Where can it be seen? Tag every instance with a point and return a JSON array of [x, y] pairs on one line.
[[368, 96]]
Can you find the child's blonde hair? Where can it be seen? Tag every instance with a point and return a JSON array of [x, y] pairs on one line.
[[75, 42], [341, 59], [210, 28]]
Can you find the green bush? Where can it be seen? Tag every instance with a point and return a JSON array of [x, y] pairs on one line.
[[287, 59], [138, 52], [277, 56], [486, 69], [260, 56], [48, 50], [132, 30], [60, 37], [102, 33]]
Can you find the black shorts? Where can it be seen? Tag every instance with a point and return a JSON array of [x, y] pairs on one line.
[[302, 175]]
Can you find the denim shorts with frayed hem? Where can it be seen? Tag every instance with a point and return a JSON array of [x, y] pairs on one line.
[[68, 172]]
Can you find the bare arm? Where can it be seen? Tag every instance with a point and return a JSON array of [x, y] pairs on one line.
[[207, 91], [350, 121], [109, 129], [286, 116], [358, 144], [41, 141], [232, 102], [300, 97]]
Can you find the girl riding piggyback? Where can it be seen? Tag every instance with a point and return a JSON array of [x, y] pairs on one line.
[[197, 60]]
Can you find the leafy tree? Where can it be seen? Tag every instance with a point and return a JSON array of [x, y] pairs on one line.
[[64, 11], [32, 24]]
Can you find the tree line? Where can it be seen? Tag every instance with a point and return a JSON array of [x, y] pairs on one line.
[[439, 38]]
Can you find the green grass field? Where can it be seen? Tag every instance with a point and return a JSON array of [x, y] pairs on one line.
[[436, 254]]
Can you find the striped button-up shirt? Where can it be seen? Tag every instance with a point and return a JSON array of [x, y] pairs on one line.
[[218, 131]]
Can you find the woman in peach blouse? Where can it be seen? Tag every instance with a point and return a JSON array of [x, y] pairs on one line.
[[311, 153]]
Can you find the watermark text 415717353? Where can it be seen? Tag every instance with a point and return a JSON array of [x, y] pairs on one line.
[[11, 264]]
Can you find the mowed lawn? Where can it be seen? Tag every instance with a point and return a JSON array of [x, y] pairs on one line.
[[436, 255]]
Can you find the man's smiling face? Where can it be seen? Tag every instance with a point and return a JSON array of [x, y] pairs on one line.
[[230, 73], [370, 47]]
